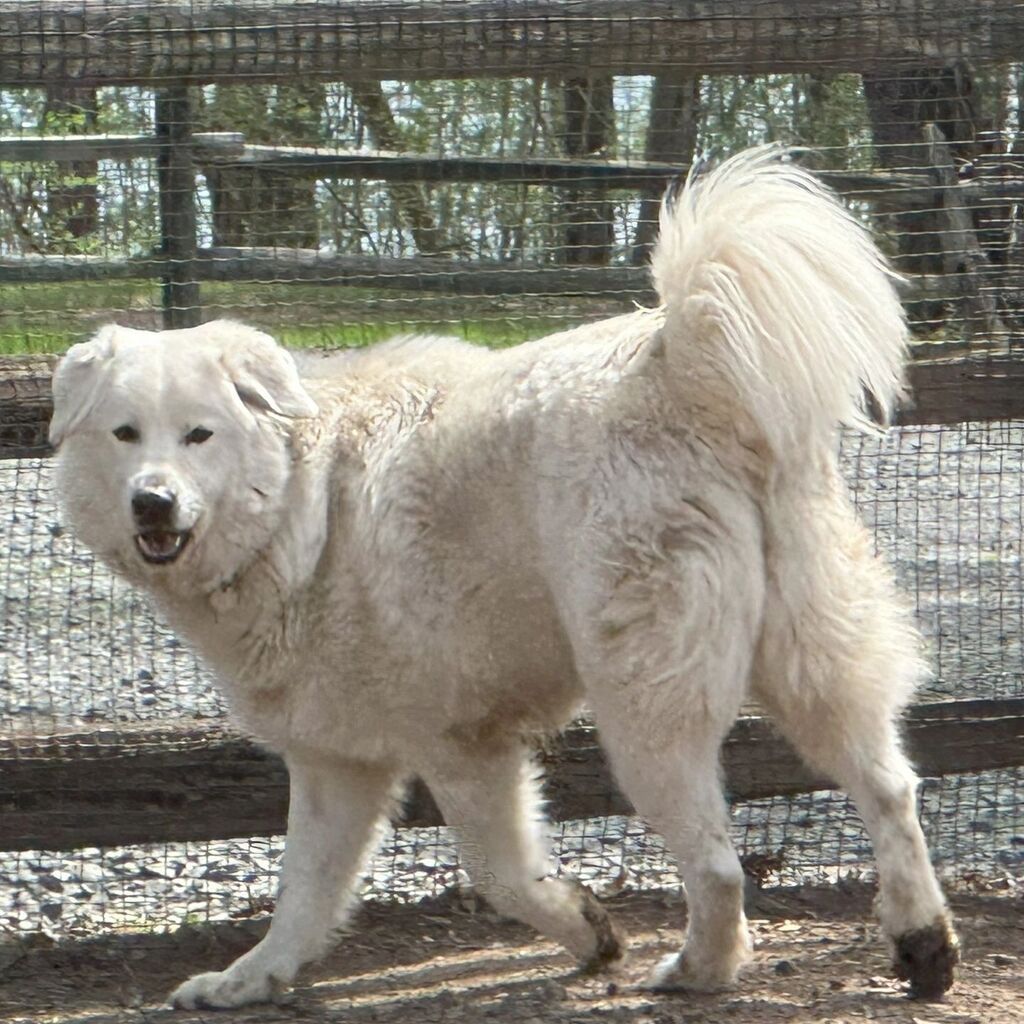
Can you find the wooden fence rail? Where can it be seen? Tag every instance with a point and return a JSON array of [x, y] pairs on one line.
[[884, 190], [75, 148], [177, 42], [430, 274], [969, 286], [941, 391], [181, 782]]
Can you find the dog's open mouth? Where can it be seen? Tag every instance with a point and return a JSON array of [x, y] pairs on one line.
[[159, 547]]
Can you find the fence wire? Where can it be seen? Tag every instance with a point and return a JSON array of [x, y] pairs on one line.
[[335, 180], [945, 507]]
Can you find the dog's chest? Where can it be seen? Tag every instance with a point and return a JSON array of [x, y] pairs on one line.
[[335, 680]]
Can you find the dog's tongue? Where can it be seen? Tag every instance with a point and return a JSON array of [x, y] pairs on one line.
[[159, 545]]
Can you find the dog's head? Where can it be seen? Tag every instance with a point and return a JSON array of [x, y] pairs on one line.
[[173, 447]]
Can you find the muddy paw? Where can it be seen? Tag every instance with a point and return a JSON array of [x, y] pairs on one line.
[[927, 958], [609, 946]]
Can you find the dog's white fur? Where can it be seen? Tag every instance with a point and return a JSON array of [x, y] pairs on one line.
[[409, 559]]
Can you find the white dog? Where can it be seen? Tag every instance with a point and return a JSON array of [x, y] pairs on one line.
[[412, 559]]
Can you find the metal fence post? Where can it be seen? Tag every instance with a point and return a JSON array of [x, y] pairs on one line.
[[176, 179]]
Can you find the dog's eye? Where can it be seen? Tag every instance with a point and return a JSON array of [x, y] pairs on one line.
[[197, 435], [126, 432]]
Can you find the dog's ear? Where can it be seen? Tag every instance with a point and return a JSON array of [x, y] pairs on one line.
[[264, 374], [78, 382]]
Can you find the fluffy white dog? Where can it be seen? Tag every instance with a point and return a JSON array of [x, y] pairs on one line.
[[410, 560]]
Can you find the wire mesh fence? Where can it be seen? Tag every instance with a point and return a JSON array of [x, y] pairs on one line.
[[945, 507], [336, 173]]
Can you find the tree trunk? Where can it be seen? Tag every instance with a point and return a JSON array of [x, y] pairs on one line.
[[671, 138], [259, 206], [72, 197], [589, 131], [900, 106], [411, 198], [940, 110]]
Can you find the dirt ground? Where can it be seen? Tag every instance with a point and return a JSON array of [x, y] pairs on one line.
[[818, 959]]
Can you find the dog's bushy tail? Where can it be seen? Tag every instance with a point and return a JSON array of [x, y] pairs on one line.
[[769, 282]]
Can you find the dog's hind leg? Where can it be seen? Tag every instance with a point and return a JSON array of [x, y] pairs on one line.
[[490, 796], [333, 811], [838, 661], [665, 637], [676, 788]]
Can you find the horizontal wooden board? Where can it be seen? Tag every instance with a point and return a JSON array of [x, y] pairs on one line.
[[886, 191], [942, 391], [190, 781], [105, 42], [70, 148]]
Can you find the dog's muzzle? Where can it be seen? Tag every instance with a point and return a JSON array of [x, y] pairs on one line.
[[153, 509]]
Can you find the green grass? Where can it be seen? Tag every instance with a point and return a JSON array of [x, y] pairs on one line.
[[38, 318], [49, 317]]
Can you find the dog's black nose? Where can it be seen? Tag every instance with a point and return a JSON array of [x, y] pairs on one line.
[[153, 506]]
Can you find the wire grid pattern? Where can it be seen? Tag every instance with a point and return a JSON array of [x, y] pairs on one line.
[[520, 209], [813, 838], [509, 237], [945, 507]]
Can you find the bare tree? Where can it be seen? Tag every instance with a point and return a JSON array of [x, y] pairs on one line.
[[900, 104], [672, 128], [410, 197], [72, 199], [589, 131], [257, 205], [915, 115]]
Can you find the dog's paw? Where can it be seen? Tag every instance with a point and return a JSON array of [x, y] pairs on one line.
[[927, 958], [221, 990], [678, 973]]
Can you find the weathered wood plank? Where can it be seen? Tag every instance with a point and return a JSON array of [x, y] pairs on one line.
[[196, 782], [884, 190], [964, 390], [942, 391], [106, 42], [26, 405], [72, 148]]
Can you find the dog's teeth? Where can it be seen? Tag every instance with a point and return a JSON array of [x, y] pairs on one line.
[[163, 546]]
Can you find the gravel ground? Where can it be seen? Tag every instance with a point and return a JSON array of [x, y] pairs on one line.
[[78, 647], [818, 960]]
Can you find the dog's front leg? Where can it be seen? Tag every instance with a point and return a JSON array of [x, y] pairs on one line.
[[332, 818]]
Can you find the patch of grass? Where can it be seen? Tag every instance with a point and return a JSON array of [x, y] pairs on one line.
[[494, 333], [50, 317]]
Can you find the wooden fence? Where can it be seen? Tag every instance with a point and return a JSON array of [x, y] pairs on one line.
[[170, 45], [183, 781], [125, 42], [180, 781], [968, 281]]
